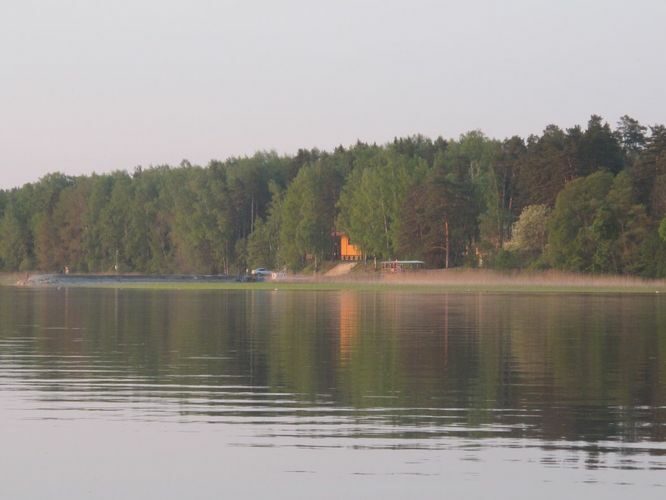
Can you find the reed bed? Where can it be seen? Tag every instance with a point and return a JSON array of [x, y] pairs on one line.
[[482, 279], [453, 280]]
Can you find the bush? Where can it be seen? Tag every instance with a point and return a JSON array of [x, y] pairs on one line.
[[505, 259]]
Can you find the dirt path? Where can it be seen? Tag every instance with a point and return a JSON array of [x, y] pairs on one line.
[[340, 269]]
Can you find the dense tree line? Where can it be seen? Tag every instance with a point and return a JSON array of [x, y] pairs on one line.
[[588, 200]]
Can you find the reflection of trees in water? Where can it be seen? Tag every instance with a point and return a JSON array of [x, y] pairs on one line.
[[574, 366]]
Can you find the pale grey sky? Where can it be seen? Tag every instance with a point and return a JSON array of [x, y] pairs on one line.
[[97, 85]]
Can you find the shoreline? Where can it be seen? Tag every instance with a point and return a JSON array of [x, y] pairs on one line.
[[435, 281]]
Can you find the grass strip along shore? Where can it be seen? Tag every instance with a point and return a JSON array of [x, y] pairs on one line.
[[436, 281]]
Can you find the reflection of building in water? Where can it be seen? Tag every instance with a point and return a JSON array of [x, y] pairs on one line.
[[446, 329], [348, 324]]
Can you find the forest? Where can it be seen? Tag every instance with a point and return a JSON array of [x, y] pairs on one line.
[[590, 200]]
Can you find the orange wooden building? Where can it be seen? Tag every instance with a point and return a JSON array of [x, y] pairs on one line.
[[344, 249]]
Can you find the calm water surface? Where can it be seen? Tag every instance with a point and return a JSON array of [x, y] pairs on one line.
[[259, 394]]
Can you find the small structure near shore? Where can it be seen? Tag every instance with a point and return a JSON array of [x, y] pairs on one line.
[[343, 249], [396, 266]]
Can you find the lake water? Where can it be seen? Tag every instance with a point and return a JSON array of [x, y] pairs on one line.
[[131, 394]]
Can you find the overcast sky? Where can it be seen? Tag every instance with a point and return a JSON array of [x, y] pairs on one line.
[[90, 85]]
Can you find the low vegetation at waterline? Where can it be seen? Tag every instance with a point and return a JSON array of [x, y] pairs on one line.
[[587, 200], [443, 280]]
